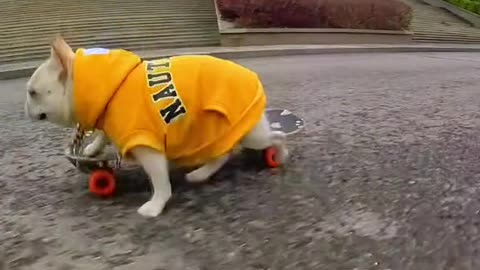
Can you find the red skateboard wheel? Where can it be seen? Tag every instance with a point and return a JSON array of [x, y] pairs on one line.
[[102, 183], [270, 156]]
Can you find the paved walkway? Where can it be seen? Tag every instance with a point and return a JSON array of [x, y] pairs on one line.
[[385, 176]]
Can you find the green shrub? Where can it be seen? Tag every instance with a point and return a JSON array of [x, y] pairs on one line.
[[354, 14], [470, 5], [475, 7], [463, 3]]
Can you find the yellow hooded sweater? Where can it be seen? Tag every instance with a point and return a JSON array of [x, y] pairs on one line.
[[191, 108]]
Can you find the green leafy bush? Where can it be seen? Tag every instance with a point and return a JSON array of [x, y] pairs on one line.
[[470, 5]]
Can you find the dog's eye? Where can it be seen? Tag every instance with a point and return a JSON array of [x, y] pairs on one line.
[[32, 93]]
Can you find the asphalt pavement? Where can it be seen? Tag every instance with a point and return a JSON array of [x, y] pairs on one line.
[[384, 176]]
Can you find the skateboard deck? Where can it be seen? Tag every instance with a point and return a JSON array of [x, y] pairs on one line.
[[279, 119], [107, 159], [101, 167], [284, 120]]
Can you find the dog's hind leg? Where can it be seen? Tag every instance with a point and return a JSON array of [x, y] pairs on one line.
[[262, 137], [204, 172], [259, 138]]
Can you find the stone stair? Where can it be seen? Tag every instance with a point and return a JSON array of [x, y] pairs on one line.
[[436, 25], [28, 26]]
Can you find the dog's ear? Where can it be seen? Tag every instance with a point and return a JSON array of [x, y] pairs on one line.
[[63, 54]]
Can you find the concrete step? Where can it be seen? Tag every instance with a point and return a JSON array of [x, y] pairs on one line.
[[138, 27], [59, 17], [438, 31], [159, 37], [113, 31], [448, 41], [139, 44], [155, 37], [435, 25], [440, 35], [28, 26]]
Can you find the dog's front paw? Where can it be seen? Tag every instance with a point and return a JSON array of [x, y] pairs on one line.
[[92, 150], [153, 207]]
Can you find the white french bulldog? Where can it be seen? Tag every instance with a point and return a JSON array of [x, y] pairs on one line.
[[51, 97]]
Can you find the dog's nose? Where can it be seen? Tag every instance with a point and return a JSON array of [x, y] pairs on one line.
[[42, 116]]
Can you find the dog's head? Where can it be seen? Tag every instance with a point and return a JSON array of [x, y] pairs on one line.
[[49, 90]]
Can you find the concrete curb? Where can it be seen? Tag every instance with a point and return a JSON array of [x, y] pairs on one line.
[[312, 30], [20, 70]]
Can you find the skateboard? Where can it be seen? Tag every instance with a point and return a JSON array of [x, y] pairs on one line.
[[102, 167]]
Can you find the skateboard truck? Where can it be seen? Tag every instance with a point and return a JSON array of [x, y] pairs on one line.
[[280, 120], [101, 168]]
